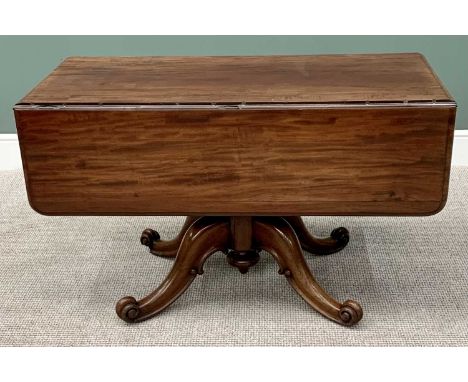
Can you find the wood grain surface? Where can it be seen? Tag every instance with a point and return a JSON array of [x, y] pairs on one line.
[[262, 79], [336, 161]]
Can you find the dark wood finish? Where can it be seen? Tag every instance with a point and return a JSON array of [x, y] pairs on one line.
[[277, 237], [308, 135], [264, 79], [240, 138], [241, 238], [241, 233], [165, 248], [242, 256], [338, 239], [332, 161], [204, 237], [243, 260]]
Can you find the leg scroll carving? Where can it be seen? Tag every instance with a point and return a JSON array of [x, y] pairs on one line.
[[241, 238], [276, 236], [165, 248], [204, 237], [337, 240]]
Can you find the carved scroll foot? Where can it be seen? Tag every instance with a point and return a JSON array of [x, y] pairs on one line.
[[276, 236], [337, 240], [165, 248], [204, 237]]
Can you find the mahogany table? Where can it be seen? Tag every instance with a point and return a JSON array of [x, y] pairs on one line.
[[243, 146]]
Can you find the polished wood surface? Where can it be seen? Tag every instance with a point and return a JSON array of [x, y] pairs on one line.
[[319, 161], [242, 232], [276, 236], [204, 237], [165, 248], [239, 138], [338, 239], [242, 238], [261, 79]]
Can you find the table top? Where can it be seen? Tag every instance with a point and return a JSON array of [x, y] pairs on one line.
[[336, 156], [242, 79]]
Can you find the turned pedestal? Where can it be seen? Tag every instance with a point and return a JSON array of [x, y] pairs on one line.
[[241, 238]]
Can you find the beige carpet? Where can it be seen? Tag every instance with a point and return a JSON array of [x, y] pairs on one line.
[[61, 276]]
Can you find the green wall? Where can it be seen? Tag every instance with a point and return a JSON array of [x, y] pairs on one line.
[[25, 60]]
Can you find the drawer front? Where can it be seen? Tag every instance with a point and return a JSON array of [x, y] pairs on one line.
[[321, 161]]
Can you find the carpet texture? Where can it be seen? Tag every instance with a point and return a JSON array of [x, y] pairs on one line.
[[61, 276]]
